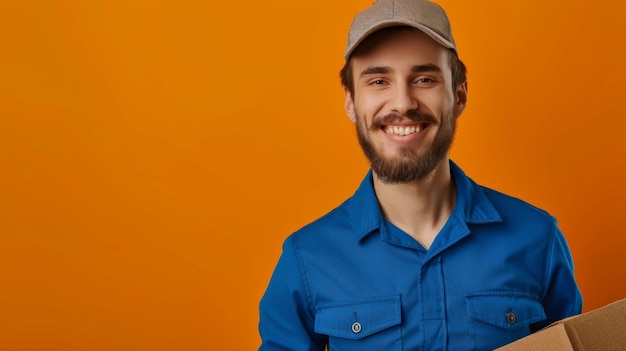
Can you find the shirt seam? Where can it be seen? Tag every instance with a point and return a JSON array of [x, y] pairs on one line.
[[548, 262], [303, 275]]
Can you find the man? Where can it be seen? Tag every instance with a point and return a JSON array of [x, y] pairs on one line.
[[420, 257]]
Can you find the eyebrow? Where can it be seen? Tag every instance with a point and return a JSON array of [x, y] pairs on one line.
[[415, 69]]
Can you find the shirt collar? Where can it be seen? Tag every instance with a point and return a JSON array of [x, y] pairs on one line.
[[364, 211], [472, 205]]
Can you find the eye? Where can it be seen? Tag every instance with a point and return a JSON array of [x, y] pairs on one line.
[[424, 80], [378, 82]]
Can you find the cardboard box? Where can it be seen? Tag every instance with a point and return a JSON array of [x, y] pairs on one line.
[[603, 329]]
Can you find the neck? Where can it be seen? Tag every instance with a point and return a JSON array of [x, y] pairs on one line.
[[422, 207]]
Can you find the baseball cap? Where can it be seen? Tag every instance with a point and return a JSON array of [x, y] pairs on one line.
[[424, 15]]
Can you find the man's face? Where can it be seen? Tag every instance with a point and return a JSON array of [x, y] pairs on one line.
[[404, 105]]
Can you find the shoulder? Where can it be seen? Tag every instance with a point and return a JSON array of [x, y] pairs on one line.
[[519, 212], [331, 226]]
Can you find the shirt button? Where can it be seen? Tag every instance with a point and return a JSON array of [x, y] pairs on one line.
[[510, 317], [356, 327]]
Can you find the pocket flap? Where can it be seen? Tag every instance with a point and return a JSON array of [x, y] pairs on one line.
[[508, 310], [358, 319]]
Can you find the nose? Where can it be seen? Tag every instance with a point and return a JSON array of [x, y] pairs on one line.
[[403, 99]]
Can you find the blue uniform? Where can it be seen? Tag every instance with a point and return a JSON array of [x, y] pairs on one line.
[[498, 270]]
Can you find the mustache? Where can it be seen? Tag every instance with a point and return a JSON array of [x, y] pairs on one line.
[[414, 116]]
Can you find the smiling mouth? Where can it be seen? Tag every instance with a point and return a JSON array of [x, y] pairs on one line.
[[403, 130]]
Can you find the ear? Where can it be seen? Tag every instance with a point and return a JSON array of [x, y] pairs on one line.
[[349, 105], [460, 99]]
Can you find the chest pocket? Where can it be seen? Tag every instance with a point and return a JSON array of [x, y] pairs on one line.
[[372, 324], [499, 318]]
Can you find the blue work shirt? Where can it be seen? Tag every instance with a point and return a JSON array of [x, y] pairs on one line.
[[498, 270]]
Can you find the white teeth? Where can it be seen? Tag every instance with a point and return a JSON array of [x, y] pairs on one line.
[[400, 130]]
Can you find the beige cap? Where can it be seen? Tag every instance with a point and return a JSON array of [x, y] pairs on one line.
[[424, 15]]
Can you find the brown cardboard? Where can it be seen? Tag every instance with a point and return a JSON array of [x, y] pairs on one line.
[[603, 329]]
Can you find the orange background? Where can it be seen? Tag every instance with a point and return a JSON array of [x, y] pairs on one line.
[[155, 154]]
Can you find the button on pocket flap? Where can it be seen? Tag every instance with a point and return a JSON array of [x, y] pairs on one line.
[[358, 319], [508, 310]]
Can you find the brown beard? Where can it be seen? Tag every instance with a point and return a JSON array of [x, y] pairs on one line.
[[407, 166]]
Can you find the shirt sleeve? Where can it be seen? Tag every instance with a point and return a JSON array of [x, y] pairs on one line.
[[286, 319], [562, 296]]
